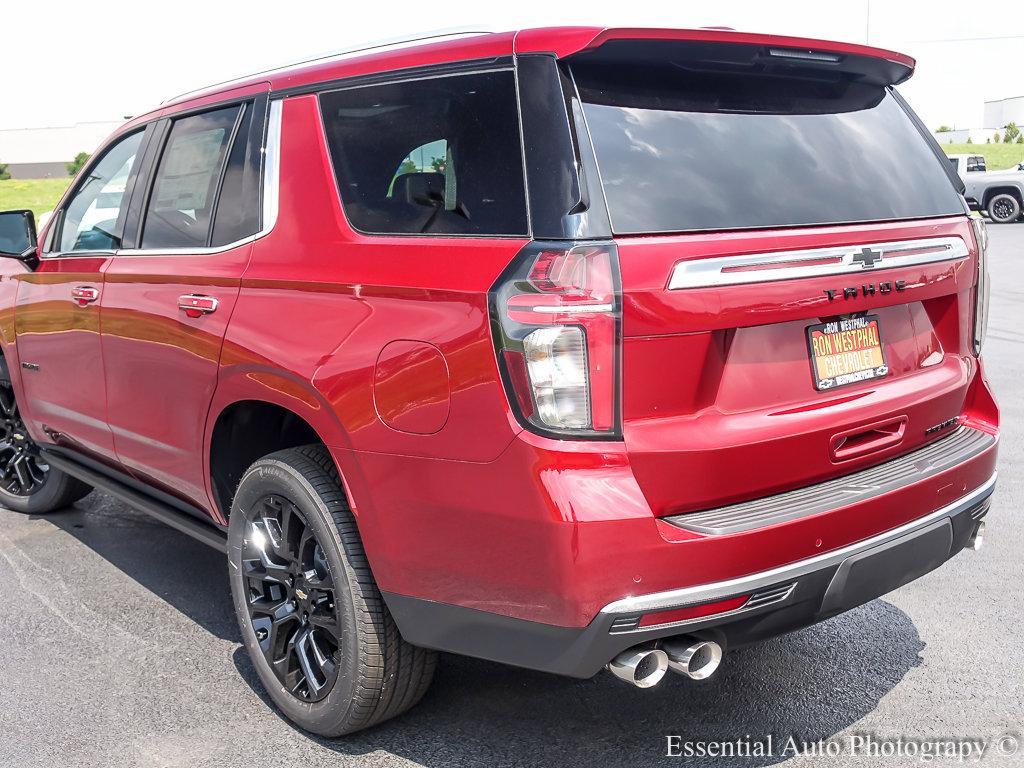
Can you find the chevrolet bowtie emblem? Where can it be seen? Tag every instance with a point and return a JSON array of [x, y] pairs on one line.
[[867, 258]]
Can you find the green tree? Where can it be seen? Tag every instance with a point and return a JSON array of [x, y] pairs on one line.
[[995, 137], [969, 140], [1012, 132], [76, 165], [943, 129], [4, 173], [1020, 139], [437, 164]]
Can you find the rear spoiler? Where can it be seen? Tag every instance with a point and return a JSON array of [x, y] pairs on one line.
[[875, 65]]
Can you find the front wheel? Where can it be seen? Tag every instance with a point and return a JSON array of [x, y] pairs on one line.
[[1003, 208], [312, 619], [27, 483]]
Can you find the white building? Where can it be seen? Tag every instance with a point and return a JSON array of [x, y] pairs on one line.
[[995, 118], [960, 136], [39, 153], [999, 113]]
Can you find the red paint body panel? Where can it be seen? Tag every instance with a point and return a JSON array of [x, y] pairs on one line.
[[357, 294], [734, 386], [581, 523], [161, 365], [68, 393], [411, 387]]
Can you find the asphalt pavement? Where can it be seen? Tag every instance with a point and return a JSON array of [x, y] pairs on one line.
[[120, 648]]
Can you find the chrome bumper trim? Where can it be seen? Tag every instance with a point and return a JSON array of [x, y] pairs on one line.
[[814, 262], [703, 593]]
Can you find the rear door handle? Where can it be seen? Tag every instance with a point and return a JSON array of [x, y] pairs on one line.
[[868, 439], [195, 305], [84, 295]]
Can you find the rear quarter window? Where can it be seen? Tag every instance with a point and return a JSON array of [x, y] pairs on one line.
[[440, 155]]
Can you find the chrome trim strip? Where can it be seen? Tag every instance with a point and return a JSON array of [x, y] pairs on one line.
[[187, 251], [272, 168], [703, 593], [271, 191], [790, 265], [747, 607]]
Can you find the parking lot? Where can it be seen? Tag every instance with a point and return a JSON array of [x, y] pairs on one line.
[[120, 648]]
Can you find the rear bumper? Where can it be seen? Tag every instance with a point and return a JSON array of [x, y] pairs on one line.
[[781, 600]]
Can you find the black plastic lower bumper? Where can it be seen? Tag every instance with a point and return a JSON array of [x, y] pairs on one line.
[[820, 589]]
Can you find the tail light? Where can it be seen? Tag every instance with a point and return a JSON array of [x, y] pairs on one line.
[[555, 315], [981, 289]]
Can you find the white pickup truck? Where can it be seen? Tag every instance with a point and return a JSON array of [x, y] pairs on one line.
[[1000, 194]]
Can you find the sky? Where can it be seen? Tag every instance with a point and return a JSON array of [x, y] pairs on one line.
[[64, 62]]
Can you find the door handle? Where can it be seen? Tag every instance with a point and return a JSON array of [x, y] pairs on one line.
[[868, 439], [84, 295], [194, 305]]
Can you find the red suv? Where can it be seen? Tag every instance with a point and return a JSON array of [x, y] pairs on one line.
[[565, 348]]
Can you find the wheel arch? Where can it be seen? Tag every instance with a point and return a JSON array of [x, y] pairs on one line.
[[257, 412], [1010, 189]]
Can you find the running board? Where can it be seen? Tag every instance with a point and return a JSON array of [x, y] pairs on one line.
[[165, 513]]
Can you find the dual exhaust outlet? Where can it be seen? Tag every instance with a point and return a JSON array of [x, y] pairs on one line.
[[689, 657]]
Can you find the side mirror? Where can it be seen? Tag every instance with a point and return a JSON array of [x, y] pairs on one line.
[[18, 235]]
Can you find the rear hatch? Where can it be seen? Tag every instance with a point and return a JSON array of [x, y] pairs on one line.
[[797, 267]]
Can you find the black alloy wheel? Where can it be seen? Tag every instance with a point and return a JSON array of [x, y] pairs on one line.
[[313, 621], [1004, 208], [291, 599], [22, 471]]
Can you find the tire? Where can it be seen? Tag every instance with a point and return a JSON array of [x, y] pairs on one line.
[[290, 510], [1003, 208], [27, 483]]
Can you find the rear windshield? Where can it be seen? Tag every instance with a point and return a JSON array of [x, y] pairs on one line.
[[682, 150]]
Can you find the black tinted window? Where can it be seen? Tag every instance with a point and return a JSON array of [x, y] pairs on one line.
[[181, 203], [684, 150], [237, 206], [440, 155]]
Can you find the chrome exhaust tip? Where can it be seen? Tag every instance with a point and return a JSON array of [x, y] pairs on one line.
[[695, 659], [977, 538], [641, 667]]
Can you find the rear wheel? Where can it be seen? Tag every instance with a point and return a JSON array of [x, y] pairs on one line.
[[27, 483], [1003, 208], [312, 619]]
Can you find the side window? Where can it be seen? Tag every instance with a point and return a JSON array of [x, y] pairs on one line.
[[236, 216], [93, 219], [438, 156], [180, 210]]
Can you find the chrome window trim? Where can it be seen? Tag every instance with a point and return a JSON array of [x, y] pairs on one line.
[[787, 265], [270, 198], [703, 593]]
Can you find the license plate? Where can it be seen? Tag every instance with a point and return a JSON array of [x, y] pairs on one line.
[[846, 352]]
